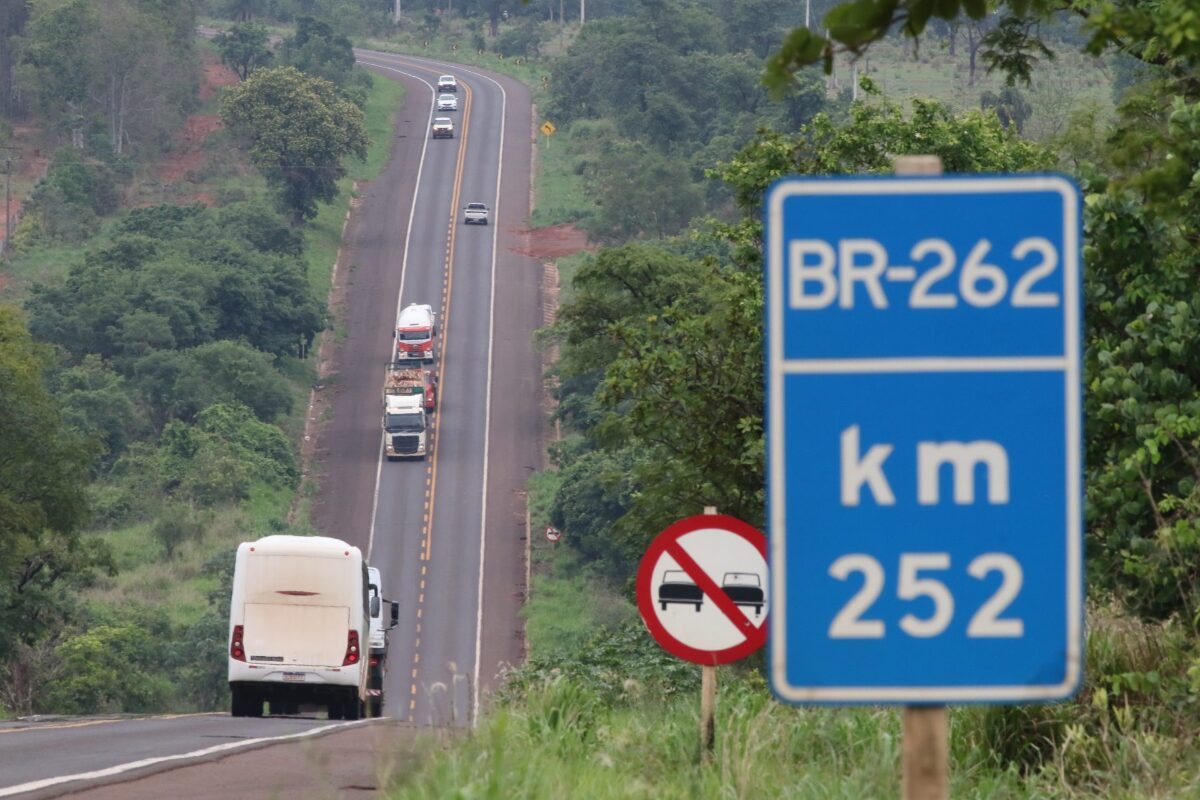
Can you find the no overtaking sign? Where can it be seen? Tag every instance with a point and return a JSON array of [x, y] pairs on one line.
[[701, 589]]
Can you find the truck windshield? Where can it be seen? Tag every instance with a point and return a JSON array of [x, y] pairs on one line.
[[404, 422], [414, 336]]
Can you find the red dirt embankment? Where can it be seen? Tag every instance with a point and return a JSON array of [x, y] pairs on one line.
[[188, 153], [554, 241]]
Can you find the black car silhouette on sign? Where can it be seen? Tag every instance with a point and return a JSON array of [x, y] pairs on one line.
[[677, 587], [744, 589]]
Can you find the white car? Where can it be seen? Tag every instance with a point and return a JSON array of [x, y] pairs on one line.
[[475, 213], [447, 102], [443, 128], [447, 83]]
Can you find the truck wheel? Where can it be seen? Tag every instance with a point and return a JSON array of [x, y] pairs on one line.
[[664, 606], [352, 705], [698, 606]]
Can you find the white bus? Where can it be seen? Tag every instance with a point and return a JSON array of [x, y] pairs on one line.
[[298, 626]]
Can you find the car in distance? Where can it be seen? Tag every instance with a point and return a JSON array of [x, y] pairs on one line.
[[443, 128], [447, 83], [475, 213], [447, 102], [678, 587]]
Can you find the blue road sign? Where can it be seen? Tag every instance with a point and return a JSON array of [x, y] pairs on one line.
[[924, 439]]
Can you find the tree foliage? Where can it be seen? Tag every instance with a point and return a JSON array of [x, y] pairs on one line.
[[298, 129], [43, 471], [192, 284], [244, 48], [121, 69]]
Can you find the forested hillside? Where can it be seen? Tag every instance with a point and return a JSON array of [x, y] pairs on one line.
[[159, 309]]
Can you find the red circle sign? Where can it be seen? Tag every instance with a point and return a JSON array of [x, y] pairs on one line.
[[696, 585], [553, 533]]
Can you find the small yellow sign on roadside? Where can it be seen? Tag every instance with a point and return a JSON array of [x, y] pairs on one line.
[[548, 127]]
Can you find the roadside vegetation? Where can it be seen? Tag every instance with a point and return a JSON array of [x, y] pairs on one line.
[[159, 305]]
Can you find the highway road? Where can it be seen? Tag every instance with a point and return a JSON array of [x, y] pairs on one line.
[[448, 532]]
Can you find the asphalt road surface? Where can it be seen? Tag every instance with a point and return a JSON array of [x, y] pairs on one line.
[[447, 533]]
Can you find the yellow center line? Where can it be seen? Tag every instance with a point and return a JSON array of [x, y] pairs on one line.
[[449, 283]]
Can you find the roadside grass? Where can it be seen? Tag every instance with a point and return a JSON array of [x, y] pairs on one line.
[[1059, 87], [567, 736], [178, 587], [566, 604], [568, 266], [560, 195], [44, 264]]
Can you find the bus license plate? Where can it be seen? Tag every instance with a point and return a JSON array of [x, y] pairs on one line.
[[294, 676]]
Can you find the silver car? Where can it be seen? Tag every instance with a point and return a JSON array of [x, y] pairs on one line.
[[447, 102]]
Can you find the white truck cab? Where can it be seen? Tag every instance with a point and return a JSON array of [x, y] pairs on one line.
[[298, 622], [378, 648], [404, 426]]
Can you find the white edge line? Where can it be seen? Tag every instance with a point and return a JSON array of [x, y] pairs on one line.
[[1070, 365], [146, 762], [487, 418], [412, 210]]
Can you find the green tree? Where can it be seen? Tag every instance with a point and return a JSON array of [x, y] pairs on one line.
[[124, 66], [111, 668], [1010, 106], [317, 50], [298, 129], [176, 524], [97, 402], [244, 48], [43, 472]]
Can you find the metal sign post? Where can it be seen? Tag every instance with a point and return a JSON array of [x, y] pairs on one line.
[[924, 445]]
